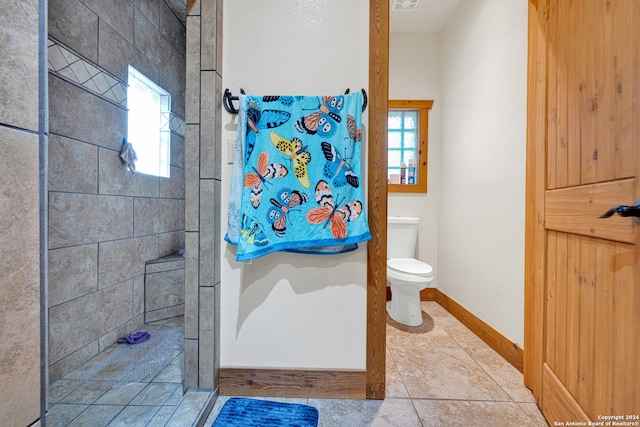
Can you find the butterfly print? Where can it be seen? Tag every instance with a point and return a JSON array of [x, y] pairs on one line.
[[253, 232], [329, 213], [257, 120], [277, 214], [258, 177], [324, 122], [337, 168], [355, 134], [300, 158], [284, 100]]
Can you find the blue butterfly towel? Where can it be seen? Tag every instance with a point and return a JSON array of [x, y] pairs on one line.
[[296, 182]]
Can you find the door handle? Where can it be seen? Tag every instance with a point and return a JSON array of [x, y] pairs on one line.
[[625, 211]]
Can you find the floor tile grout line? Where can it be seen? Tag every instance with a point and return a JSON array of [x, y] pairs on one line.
[[512, 400], [413, 405], [489, 374], [478, 363], [395, 362]]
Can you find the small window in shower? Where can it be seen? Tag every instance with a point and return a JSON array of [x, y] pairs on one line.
[[148, 131]]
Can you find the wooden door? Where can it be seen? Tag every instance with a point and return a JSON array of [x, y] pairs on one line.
[[582, 272]]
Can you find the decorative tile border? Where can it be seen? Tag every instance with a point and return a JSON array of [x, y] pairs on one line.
[[173, 123], [79, 70]]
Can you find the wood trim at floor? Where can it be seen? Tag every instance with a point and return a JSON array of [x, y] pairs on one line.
[[494, 339], [264, 382]]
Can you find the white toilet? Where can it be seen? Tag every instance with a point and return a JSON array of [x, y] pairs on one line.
[[406, 276]]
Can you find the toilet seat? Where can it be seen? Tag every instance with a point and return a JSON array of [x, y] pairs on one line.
[[409, 266]]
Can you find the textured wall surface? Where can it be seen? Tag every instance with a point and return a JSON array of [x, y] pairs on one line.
[[292, 310], [482, 162], [105, 223], [414, 73], [19, 215]]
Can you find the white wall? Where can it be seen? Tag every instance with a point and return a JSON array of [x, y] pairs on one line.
[[482, 161], [414, 74], [290, 310]]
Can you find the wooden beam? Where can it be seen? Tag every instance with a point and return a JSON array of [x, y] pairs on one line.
[[377, 197]]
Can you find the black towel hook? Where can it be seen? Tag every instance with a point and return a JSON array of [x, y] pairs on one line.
[[228, 98], [226, 101], [365, 101]]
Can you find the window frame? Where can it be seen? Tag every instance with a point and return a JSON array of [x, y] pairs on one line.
[[164, 141], [423, 108]]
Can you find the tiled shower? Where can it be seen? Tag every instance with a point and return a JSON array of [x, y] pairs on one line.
[[104, 222], [96, 224]]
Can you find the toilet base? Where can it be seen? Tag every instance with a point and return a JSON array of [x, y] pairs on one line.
[[404, 306]]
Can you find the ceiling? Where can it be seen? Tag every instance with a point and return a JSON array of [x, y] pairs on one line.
[[429, 16]]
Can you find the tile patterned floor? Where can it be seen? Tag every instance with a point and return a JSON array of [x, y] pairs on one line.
[[145, 390], [438, 375]]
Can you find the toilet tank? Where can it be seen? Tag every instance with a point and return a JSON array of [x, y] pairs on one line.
[[402, 233]]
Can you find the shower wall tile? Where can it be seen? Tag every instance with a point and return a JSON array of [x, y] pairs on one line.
[[192, 179], [209, 31], [19, 275], [115, 53], [217, 215], [115, 334], [173, 187], [147, 38], [116, 180], [171, 29], [208, 103], [60, 368], [73, 165], [193, 7], [178, 128], [172, 242], [216, 335], [133, 218], [190, 364], [117, 13], [76, 219], [177, 147], [206, 337], [150, 9], [79, 70], [19, 65], [192, 98], [102, 123], [219, 24], [217, 119], [75, 25], [203, 175], [164, 289], [166, 263], [164, 313], [124, 259], [172, 66], [100, 312], [208, 236], [152, 216], [191, 295], [73, 272], [138, 295], [182, 205]]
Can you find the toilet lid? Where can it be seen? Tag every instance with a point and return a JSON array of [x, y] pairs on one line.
[[409, 266]]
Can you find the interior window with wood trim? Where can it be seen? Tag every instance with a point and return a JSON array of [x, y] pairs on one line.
[[407, 145]]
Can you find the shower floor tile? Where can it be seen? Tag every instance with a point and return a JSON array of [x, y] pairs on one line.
[[129, 385]]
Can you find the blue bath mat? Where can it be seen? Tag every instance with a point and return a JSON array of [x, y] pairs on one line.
[[241, 412]]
